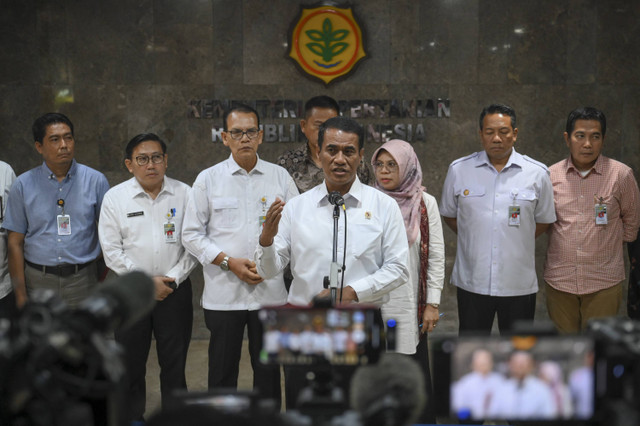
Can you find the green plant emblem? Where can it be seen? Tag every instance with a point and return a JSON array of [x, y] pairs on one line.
[[327, 43]]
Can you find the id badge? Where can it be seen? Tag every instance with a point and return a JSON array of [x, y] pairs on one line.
[[64, 224], [261, 221], [514, 215], [170, 233], [601, 214]]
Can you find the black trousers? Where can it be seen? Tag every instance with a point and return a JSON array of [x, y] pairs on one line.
[[477, 311], [225, 350], [421, 356], [8, 307], [171, 322]]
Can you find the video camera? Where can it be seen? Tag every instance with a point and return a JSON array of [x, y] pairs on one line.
[[57, 364], [540, 378]]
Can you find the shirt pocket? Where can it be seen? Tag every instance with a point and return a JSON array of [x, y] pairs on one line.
[[470, 192], [368, 240], [524, 195], [225, 212]]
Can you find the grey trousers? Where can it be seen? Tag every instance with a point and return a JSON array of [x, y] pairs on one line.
[[72, 289]]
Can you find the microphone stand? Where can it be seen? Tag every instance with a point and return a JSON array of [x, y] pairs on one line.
[[333, 273]]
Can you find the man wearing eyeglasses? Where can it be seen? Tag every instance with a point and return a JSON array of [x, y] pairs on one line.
[[140, 228], [51, 218], [225, 214]]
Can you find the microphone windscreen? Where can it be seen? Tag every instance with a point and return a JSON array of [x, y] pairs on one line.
[[121, 301]]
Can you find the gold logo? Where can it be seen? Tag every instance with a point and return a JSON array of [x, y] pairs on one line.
[[326, 42]]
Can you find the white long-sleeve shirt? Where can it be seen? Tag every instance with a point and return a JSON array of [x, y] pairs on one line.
[[223, 215], [377, 247], [132, 230], [7, 176], [403, 301]]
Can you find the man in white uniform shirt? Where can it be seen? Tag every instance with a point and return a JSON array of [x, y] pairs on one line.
[[7, 298], [497, 201], [301, 230], [224, 217], [139, 229]]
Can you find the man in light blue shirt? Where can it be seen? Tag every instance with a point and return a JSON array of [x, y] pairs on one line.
[[497, 201], [52, 216]]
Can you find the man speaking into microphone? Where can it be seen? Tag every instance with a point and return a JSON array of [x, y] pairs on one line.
[[301, 232]]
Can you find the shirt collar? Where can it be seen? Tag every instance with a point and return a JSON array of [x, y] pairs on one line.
[[354, 193], [71, 173], [597, 166], [515, 159], [235, 167]]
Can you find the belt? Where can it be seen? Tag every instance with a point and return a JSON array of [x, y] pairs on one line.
[[60, 270]]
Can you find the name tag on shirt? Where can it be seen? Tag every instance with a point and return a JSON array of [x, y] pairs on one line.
[[170, 232], [514, 215], [601, 214], [64, 224], [134, 214]]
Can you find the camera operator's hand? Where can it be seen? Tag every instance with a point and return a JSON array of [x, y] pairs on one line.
[[270, 226], [349, 295], [162, 289], [245, 269]]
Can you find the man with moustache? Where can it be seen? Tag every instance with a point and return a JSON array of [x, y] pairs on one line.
[[140, 228], [300, 232], [225, 213], [598, 209], [497, 201], [303, 164], [52, 216]]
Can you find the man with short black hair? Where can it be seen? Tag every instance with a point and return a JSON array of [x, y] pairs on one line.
[[598, 208], [300, 232], [303, 164], [225, 213], [52, 217], [140, 229], [497, 201]]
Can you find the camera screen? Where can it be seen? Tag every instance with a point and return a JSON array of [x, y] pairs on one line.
[[519, 378], [311, 336]]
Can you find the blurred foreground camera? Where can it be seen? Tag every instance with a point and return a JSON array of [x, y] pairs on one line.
[[57, 366]]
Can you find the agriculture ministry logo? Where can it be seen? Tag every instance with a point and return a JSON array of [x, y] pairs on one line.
[[326, 42]]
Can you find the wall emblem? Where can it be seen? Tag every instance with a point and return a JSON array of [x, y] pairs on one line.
[[326, 42]]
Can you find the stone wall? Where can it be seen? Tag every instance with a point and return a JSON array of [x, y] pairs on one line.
[[121, 67]]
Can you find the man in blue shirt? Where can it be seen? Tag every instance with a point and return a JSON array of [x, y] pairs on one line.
[[52, 216]]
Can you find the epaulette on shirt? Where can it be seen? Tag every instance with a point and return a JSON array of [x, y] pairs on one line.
[[536, 162], [468, 157]]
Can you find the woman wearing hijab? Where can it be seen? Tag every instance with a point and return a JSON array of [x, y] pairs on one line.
[[415, 305]]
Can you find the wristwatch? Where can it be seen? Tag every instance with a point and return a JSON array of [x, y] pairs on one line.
[[435, 305], [224, 265]]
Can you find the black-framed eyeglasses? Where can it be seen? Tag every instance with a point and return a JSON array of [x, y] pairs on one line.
[[143, 160], [391, 166], [238, 134]]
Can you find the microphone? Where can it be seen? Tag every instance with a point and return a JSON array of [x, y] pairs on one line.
[[119, 302], [336, 199]]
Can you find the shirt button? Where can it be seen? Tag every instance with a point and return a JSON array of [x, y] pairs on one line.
[[60, 189], [59, 258], [59, 240]]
